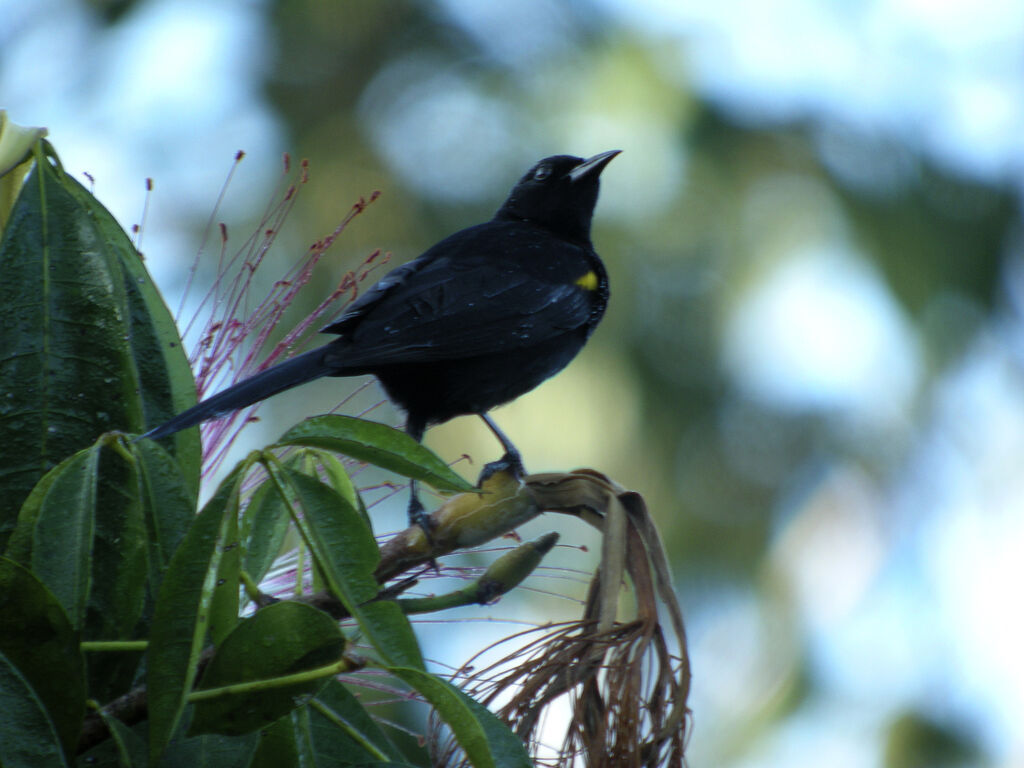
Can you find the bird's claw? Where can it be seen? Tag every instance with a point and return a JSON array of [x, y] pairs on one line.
[[511, 462], [418, 516]]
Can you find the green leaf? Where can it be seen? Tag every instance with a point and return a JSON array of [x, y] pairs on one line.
[[65, 366], [58, 526], [225, 605], [211, 751], [278, 747], [264, 527], [87, 345], [347, 554], [28, 738], [337, 478], [307, 737], [119, 564], [304, 746], [161, 368], [119, 556], [197, 752], [487, 742], [376, 444], [282, 639], [167, 504], [19, 545], [336, 475], [37, 638], [182, 613], [342, 726], [81, 531], [83, 535]]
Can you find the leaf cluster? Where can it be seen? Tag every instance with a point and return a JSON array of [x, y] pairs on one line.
[[125, 640]]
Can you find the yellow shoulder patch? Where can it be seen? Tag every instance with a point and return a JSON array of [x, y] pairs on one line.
[[588, 282]]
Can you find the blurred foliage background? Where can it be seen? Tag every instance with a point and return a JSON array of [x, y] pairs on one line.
[[812, 362]]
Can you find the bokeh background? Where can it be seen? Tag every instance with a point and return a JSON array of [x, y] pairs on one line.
[[812, 362]]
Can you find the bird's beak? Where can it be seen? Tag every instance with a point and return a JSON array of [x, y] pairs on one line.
[[592, 166]]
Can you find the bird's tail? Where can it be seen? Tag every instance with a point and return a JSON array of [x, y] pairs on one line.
[[305, 367]]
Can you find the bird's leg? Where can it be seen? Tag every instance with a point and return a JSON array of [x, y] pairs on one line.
[[417, 514], [512, 460]]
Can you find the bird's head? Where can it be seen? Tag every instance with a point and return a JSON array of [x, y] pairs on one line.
[[558, 193]]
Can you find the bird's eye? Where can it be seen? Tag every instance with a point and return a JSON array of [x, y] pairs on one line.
[[542, 173]]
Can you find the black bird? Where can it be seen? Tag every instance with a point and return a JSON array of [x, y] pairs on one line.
[[481, 318]]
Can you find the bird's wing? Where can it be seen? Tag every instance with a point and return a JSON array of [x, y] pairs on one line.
[[454, 302], [393, 282]]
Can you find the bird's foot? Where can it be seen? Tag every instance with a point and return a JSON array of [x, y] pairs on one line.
[[418, 516], [511, 462]]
